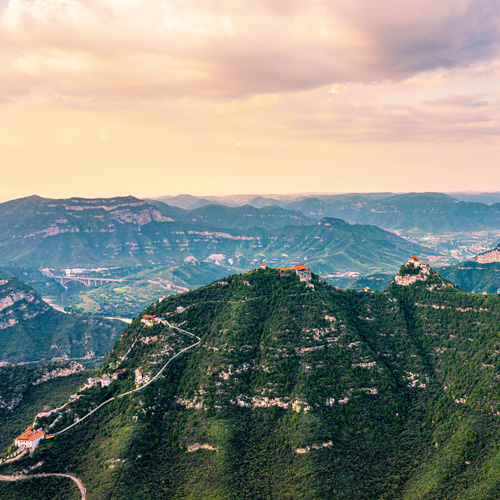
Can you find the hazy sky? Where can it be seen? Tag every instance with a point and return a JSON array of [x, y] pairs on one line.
[[107, 97]]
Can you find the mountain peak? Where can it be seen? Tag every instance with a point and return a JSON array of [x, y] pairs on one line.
[[332, 221], [419, 272]]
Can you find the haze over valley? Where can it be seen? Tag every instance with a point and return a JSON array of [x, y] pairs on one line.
[[249, 250]]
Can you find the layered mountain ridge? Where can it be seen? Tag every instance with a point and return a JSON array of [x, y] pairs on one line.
[[128, 232]]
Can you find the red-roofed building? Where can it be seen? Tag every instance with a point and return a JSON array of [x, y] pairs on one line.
[[300, 267], [29, 439], [302, 271], [414, 260], [148, 319]]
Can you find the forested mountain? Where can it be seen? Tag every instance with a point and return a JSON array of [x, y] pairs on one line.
[[480, 274], [434, 213], [126, 232], [486, 198], [30, 330], [410, 213], [295, 391], [247, 217], [26, 390]]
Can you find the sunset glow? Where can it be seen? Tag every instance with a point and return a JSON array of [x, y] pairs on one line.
[[101, 98]]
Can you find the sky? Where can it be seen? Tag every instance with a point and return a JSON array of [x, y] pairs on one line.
[[157, 97]]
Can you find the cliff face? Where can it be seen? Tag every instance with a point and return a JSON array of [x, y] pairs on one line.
[[30, 330], [488, 257], [409, 279], [18, 303]]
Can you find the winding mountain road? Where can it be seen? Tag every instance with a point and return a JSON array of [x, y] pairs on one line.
[[82, 489], [142, 386], [74, 478]]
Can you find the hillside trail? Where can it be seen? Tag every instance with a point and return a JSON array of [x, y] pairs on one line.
[[74, 478], [83, 491], [137, 389]]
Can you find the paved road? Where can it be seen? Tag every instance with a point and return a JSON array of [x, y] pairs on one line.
[[142, 386], [82, 489], [74, 478]]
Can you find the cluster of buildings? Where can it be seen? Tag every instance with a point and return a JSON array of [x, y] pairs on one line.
[[413, 260], [103, 381], [150, 320], [303, 272]]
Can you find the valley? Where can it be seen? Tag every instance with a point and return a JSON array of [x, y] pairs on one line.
[[159, 249], [261, 381]]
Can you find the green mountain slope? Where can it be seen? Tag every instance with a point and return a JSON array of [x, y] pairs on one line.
[[479, 275], [296, 392], [246, 217], [434, 213], [26, 390], [30, 330]]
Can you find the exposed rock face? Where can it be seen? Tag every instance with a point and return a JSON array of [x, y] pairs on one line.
[[488, 257], [409, 279], [18, 304], [19, 379], [30, 330]]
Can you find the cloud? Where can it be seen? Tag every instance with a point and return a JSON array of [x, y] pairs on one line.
[[233, 48], [363, 70]]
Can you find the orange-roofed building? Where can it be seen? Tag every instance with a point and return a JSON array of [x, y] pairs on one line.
[[413, 257], [148, 319], [29, 439]]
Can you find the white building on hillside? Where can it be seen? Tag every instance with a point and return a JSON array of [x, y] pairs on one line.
[[29, 439]]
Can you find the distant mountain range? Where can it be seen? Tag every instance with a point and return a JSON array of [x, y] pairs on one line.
[[189, 201], [31, 330], [410, 213], [258, 201], [127, 231]]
